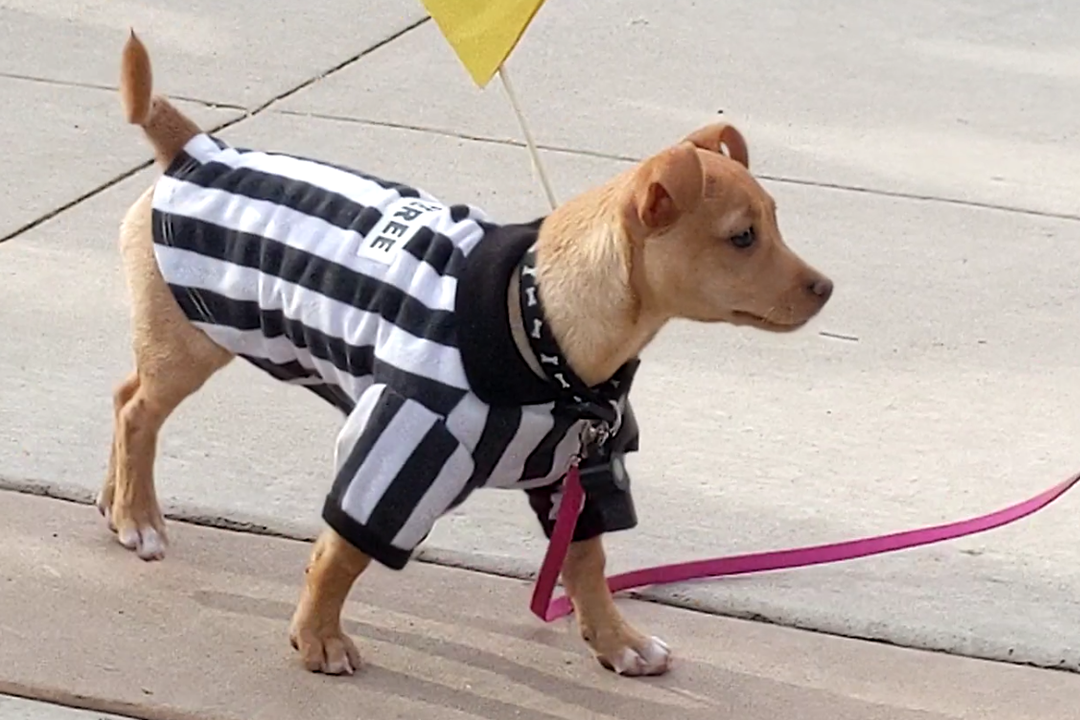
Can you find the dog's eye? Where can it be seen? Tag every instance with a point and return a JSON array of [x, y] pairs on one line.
[[744, 239]]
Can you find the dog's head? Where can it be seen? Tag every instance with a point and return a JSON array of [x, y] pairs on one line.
[[706, 244]]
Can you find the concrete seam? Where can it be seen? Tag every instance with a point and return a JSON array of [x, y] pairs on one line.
[[40, 220], [841, 187], [203, 517], [113, 88]]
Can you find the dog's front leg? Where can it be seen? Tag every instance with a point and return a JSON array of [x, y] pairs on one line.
[[316, 625], [617, 645]]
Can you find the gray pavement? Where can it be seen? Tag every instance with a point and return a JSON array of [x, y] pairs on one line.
[[14, 708], [922, 155], [204, 638]]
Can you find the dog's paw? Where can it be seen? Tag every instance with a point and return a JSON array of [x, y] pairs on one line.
[[147, 542], [143, 532], [623, 650], [650, 656], [329, 652]]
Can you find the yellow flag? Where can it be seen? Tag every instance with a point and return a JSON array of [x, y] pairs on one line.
[[483, 33]]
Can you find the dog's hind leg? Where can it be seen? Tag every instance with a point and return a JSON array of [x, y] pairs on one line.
[[173, 359], [121, 396]]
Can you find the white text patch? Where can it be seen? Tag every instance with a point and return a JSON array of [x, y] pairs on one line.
[[400, 222]]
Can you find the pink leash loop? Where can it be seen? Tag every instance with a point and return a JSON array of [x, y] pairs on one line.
[[565, 522], [549, 610]]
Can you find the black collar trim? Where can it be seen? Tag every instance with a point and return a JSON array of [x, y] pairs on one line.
[[494, 367], [601, 402]]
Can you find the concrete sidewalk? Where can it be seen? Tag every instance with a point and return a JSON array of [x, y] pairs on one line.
[[922, 154], [17, 708], [203, 636]]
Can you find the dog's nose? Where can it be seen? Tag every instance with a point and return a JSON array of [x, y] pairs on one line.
[[821, 287]]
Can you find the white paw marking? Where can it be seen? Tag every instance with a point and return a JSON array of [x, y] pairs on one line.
[[657, 656], [146, 542], [627, 662], [152, 546], [129, 538], [339, 667], [653, 658]]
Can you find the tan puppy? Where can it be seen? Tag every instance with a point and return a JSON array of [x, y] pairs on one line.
[[687, 233]]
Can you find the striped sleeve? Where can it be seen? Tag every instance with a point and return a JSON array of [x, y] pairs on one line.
[[399, 469]]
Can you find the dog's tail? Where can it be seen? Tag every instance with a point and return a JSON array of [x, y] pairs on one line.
[[168, 129]]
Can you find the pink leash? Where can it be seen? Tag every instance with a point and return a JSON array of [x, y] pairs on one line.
[[573, 496]]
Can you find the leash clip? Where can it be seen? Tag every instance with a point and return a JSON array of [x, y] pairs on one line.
[[594, 435]]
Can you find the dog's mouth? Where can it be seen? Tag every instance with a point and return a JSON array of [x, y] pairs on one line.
[[740, 317]]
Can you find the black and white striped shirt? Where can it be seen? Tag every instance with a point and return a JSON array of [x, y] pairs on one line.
[[382, 301]]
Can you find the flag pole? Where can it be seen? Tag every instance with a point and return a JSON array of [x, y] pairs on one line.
[[529, 142]]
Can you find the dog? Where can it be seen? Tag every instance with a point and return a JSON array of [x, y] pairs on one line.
[[463, 353]]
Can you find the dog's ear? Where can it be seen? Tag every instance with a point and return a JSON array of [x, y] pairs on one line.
[[718, 136], [668, 185]]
